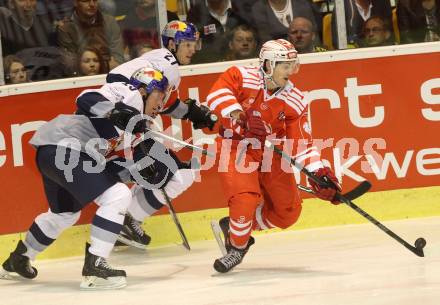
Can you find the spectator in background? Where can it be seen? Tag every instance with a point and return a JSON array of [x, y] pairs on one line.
[[419, 20], [377, 32], [243, 8], [356, 13], [45, 63], [88, 26], [21, 28], [139, 26], [15, 71], [242, 43], [116, 8], [91, 62], [57, 10], [303, 35], [214, 19], [142, 48], [272, 17]]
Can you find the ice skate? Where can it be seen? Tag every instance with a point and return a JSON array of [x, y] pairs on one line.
[[231, 255], [18, 263], [99, 275], [132, 233]]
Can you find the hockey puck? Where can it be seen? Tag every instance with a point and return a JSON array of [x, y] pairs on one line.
[[420, 243]]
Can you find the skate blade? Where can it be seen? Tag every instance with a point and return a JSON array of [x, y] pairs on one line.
[[5, 275], [120, 247], [132, 243], [97, 283], [218, 234]]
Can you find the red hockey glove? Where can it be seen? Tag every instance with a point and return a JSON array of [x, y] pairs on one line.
[[254, 126], [326, 193]]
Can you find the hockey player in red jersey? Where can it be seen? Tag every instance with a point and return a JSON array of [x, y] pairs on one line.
[[255, 103]]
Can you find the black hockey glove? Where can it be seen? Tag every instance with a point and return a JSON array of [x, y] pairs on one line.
[[163, 164], [121, 115], [200, 115]]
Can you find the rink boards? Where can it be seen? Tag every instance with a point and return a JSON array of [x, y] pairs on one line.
[[384, 110]]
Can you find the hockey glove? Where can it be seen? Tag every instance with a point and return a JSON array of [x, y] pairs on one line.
[[199, 115], [121, 115], [164, 163], [326, 192], [254, 126]]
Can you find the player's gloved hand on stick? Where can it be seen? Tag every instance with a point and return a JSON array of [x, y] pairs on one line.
[[254, 126], [199, 115], [326, 192], [122, 113], [163, 162]]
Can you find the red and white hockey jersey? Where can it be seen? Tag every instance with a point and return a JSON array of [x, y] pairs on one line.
[[284, 111]]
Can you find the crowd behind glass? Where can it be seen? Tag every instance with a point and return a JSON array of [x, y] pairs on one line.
[[50, 39]]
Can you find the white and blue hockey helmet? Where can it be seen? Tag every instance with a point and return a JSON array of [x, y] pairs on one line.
[[150, 79], [180, 31]]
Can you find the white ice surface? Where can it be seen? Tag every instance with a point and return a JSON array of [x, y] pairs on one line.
[[353, 264]]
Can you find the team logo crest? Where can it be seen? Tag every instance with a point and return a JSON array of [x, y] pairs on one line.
[[178, 25], [156, 75], [247, 103], [264, 106], [281, 116]]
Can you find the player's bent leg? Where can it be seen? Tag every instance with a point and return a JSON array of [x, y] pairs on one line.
[[106, 225], [181, 181], [289, 217], [146, 203], [43, 232], [239, 225], [267, 218], [282, 204], [241, 213]]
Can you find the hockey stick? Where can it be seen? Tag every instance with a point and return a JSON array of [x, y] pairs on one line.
[[357, 192], [172, 211], [420, 242], [176, 220], [218, 233], [182, 143]]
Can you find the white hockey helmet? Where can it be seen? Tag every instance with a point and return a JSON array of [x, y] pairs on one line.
[[150, 79], [278, 50], [179, 31]]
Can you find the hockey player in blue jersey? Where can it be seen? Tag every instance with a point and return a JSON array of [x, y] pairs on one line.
[[180, 40], [72, 155]]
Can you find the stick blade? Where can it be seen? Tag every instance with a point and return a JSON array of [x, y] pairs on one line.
[[419, 244], [358, 191]]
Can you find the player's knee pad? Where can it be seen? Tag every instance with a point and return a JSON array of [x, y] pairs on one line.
[[56, 223], [118, 197], [289, 217], [180, 182]]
